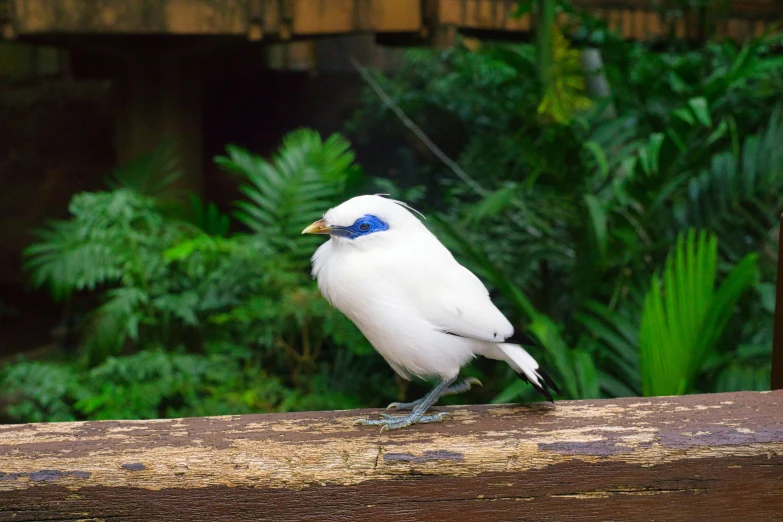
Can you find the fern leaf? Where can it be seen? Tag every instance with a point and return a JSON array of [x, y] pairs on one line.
[[684, 315], [285, 195]]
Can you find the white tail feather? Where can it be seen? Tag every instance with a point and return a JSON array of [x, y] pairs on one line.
[[522, 362]]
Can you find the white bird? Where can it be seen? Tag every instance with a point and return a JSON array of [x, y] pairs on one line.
[[426, 314]]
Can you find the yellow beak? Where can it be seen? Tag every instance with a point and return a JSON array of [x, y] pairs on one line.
[[319, 227]]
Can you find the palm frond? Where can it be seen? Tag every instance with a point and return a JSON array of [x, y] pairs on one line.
[[95, 247], [208, 218], [617, 332], [737, 196], [148, 174], [684, 314], [285, 195]]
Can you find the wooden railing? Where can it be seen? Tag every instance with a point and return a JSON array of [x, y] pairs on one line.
[[700, 457]]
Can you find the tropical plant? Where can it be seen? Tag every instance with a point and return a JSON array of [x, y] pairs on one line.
[[684, 318], [569, 219], [189, 313], [635, 245], [286, 195]]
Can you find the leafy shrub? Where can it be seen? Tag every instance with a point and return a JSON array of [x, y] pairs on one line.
[[571, 215], [193, 321], [569, 219]]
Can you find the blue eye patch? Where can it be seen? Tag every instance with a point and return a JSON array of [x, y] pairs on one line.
[[366, 224]]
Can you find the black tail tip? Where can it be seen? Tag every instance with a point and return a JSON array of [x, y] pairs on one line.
[[543, 390], [520, 338], [548, 380]]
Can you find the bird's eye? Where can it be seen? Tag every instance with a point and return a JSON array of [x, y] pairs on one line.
[[364, 227]]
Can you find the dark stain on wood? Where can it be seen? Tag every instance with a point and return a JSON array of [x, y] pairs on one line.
[[598, 448], [45, 475], [715, 435], [134, 466], [427, 456]]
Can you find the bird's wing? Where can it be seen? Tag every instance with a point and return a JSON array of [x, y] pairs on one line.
[[455, 301]]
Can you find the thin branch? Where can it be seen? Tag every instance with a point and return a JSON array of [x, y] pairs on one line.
[[461, 174]]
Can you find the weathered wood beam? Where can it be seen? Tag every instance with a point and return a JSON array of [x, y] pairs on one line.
[[700, 457]]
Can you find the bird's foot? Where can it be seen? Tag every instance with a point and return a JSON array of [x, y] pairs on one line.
[[456, 388], [394, 422]]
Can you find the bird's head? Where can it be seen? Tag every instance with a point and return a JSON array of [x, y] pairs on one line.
[[366, 219]]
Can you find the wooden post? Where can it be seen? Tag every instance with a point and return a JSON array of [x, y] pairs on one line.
[[712, 457], [159, 101], [776, 379]]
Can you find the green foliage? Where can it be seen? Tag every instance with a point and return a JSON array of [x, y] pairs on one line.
[[149, 384], [575, 215], [150, 174], [565, 96], [192, 320], [682, 322], [208, 218], [288, 194], [112, 236], [38, 392]]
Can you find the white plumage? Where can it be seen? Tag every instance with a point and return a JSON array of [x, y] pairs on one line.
[[426, 314]]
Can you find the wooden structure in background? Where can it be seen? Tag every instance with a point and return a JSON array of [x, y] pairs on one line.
[[286, 19], [632, 19], [712, 457], [154, 46]]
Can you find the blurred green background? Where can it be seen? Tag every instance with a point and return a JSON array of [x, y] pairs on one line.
[[630, 228]]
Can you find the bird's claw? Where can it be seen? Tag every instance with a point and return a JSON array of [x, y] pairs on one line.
[[395, 422], [435, 417], [474, 380], [393, 405]]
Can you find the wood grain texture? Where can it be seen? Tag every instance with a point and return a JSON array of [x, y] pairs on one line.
[[706, 457]]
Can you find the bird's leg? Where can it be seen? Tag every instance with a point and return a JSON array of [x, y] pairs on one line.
[[391, 422], [458, 387]]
